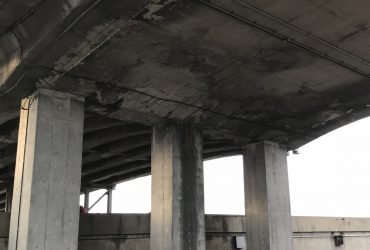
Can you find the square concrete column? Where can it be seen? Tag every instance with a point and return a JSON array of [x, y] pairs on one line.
[[9, 197], [267, 200], [45, 209], [177, 217]]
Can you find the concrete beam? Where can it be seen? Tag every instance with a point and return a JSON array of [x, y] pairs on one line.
[[141, 153], [117, 171], [121, 146], [96, 122], [267, 201], [118, 147], [45, 209], [177, 217], [126, 177], [114, 134]]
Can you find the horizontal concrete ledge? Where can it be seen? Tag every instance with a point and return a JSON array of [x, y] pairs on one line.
[[139, 224], [135, 224], [330, 224]]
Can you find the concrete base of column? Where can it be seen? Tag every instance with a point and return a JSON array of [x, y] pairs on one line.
[[177, 217], [267, 200], [45, 209]]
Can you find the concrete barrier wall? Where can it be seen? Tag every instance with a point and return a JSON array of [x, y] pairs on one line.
[[131, 232]]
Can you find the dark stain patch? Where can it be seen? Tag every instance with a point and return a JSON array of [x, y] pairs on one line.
[[351, 94], [358, 30], [273, 60], [304, 89], [225, 227], [321, 6], [193, 62]]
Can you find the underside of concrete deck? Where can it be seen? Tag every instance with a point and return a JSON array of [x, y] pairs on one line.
[[246, 70]]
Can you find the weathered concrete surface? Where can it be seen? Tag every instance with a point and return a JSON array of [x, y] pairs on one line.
[[31, 26], [267, 200], [131, 232], [298, 75], [303, 71], [177, 218], [48, 173]]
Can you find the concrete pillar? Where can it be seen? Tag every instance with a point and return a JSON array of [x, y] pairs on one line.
[[177, 217], [267, 201], [9, 196], [45, 211], [109, 200], [86, 200]]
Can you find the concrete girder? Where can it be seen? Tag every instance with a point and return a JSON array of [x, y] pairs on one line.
[[126, 177], [121, 146], [122, 169], [142, 153], [113, 166], [7, 155], [104, 136], [98, 122], [116, 148], [221, 153], [26, 37], [3, 197]]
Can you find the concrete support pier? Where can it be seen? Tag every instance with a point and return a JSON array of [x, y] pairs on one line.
[[45, 209], [9, 197], [87, 200], [267, 201], [177, 217], [109, 200]]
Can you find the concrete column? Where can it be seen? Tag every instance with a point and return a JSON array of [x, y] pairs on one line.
[[45, 211], [9, 196], [267, 201], [87, 200], [109, 200], [177, 217]]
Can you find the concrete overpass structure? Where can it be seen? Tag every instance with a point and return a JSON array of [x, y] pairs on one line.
[[99, 91]]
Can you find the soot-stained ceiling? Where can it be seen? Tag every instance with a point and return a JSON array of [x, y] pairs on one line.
[[245, 70]]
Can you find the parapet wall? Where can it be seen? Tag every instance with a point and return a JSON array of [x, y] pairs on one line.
[[131, 232]]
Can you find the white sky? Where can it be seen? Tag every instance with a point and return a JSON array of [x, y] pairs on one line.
[[330, 177]]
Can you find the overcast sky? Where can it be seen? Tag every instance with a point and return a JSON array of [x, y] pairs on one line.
[[330, 177]]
